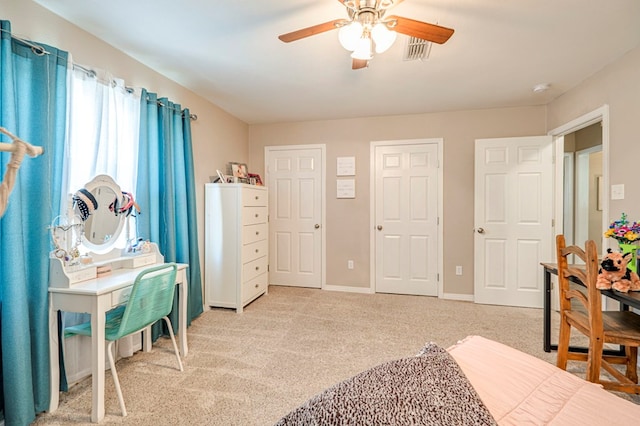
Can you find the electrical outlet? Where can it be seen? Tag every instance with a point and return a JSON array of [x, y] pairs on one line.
[[458, 270], [350, 264]]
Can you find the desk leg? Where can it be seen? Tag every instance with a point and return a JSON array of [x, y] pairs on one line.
[[97, 359], [547, 311], [182, 328], [54, 360], [146, 340]]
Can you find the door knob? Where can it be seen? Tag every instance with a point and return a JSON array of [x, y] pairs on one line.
[[379, 227], [480, 231], [316, 226]]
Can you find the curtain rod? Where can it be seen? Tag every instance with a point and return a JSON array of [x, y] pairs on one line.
[[40, 51], [92, 73], [35, 48], [193, 117]]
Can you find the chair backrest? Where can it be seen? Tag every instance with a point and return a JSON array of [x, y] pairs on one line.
[[586, 273], [151, 299]]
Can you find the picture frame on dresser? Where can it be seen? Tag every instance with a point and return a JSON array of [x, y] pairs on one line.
[[257, 178], [218, 178], [238, 170]]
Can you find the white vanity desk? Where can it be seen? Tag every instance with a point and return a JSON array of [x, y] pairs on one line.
[[80, 290]]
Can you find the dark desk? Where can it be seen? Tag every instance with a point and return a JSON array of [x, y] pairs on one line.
[[631, 299]]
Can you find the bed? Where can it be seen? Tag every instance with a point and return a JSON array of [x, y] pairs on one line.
[[475, 382]]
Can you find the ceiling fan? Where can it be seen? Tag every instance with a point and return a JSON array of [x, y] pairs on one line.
[[367, 28]]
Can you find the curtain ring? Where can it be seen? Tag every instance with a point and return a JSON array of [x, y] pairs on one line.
[[38, 50]]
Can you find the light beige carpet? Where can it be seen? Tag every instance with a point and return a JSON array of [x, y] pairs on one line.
[[253, 368]]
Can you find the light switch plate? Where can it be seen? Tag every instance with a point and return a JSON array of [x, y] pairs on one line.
[[617, 192]]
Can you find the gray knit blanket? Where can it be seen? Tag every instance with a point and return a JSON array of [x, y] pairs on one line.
[[428, 389]]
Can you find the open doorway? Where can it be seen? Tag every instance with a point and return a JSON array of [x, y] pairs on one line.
[[583, 186], [581, 201], [582, 180]]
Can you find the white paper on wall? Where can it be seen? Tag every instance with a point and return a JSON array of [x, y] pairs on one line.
[[346, 166], [346, 188]]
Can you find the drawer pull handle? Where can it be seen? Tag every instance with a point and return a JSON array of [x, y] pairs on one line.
[[257, 268], [257, 197], [257, 286], [257, 250], [257, 215], [257, 232]]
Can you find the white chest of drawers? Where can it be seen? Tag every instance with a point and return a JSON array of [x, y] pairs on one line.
[[236, 244]]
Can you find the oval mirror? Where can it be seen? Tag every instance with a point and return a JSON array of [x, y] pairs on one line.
[[103, 227]]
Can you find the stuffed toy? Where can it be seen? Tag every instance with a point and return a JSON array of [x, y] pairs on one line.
[[613, 273]]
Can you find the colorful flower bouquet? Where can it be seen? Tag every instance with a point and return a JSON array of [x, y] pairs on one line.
[[624, 231]]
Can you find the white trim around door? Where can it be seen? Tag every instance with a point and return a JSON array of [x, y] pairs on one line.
[[601, 115]]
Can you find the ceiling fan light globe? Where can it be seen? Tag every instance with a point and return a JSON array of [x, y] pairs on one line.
[[383, 37], [349, 35], [363, 49]]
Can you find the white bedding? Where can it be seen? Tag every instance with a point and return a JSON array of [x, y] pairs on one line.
[[519, 389]]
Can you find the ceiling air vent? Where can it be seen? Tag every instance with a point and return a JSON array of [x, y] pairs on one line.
[[416, 48]]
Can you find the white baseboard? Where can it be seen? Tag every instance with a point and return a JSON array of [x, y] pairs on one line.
[[456, 296], [365, 290], [368, 290]]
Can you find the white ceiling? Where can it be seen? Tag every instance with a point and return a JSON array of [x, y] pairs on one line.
[[228, 52]]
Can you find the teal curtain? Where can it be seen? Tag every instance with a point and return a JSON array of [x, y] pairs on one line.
[[166, 191], [32, 107]]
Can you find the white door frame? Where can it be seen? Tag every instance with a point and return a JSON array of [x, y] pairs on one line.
[[372, 206], [601, 115], [598, 115], [323, 202]]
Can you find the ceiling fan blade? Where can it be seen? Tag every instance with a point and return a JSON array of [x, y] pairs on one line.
[[309, 31], [357, 64], [419, 29]]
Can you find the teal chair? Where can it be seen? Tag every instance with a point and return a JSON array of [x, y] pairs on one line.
[[151, 299]]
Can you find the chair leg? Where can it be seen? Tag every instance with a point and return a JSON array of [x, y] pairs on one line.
[[563, 343], [594, 359], [114, 374], [632, 363], [173, 340]]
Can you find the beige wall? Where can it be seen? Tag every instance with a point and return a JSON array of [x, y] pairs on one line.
[[347, 224], [218, 137], [617, 85]]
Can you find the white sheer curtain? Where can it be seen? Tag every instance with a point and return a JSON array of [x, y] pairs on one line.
[[103, 127], [103, 130]]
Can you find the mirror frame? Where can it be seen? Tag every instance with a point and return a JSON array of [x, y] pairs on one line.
[[96, 182]]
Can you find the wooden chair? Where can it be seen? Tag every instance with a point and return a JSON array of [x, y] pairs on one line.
[[616, 327], [151, 300]]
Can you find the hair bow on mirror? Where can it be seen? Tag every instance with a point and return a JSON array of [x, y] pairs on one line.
[[127, 206], [85, 203]]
